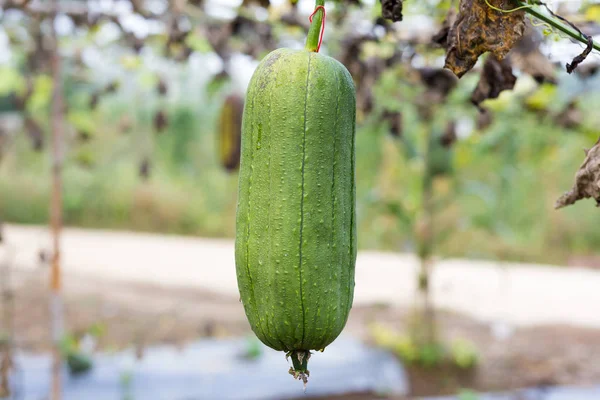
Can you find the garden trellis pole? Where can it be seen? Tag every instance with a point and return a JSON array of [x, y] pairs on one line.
[[56, 304]]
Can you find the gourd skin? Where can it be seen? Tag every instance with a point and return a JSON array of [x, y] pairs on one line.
[[296, 225]]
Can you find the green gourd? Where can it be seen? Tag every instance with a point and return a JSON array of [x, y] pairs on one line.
[[296, 225]]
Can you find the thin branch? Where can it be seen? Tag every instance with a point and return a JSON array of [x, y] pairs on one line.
[[555, 23]]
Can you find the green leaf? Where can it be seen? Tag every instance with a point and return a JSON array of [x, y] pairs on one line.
[[97, 330], [79, 363], [592, 13], [41, 95], [198, 43], [253, 349], [400, 212], [464, 354], [409, 148], [148, 80], [131, 62], [10, 81], [542, 98], [431, 355], [68, 344], [82, 121], [467, 395]]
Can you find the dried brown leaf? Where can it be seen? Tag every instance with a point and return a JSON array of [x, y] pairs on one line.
[[496, 76], [161, 87], [479, 29], [230, 132], [438, 80], [449, 137], [570, 117], [391, 9], [112, 87], [587, 180], [262, 3], [441, 37], [83, 136], [394, 118], [94, 99], [160, 121], [144, 169]]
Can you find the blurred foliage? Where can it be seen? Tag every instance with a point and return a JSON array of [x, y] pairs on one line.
[[467, 394], [253, 349], [493, 193], [78, 355], [460, 353], [498, 197]]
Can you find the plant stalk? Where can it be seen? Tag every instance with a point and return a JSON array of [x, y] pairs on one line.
[[56, 203], [427, 332], [564, 28], [312, 39]]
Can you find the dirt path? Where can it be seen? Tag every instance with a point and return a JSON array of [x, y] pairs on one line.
[[141, 314], [514, 293], [141, 290]]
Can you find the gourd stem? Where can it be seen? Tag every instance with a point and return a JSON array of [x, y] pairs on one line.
[[314, 32], [300, 360]]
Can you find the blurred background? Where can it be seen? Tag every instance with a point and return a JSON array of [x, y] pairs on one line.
[[119, 149]]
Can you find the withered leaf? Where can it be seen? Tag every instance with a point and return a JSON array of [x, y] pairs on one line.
[[395, 120], [94, 99], [479, 29], [262, 3], [570, 117], [160, 121], [441, 37], [588, 70], [391, 9], [449, 137], [111, 87], [438, 80], [35, 133], [84, 135], [587, 180], [496, 76], [527, 57], [144, 169], [161, 87]]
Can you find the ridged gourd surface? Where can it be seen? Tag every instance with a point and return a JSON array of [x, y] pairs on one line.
[[296, 228]]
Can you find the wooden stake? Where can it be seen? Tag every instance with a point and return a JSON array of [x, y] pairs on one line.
[[56, 305]]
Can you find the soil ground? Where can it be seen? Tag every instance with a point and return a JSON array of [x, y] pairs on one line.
[[144, 314]]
